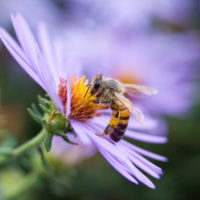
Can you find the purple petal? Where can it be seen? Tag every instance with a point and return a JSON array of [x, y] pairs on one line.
[[139, 162], [19, 55], [149, 123], [48, 53], [31, 58], [27, 40], [80, 132], [145, 137], [125, 170], [60, 59], [120, 155], [69, 81], [155, 168], [119, 167], [145, 152]]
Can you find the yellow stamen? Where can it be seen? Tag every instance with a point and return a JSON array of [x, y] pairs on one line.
[[82, 107]]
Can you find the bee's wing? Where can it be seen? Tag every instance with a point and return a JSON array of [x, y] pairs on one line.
[[136, 112], [135, 91]]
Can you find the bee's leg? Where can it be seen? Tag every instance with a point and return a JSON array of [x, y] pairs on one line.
[[102, 134], [107, 130], [101, 101]]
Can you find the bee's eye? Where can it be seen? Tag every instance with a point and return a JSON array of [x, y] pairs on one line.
[[97, 84]]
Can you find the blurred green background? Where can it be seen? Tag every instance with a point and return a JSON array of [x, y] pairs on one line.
[[25, 178]]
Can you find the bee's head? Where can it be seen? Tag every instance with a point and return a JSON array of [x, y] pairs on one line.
[[96, 84]]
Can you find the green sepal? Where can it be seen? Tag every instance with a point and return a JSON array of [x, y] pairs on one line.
[[44, 101], [35, 116], [64, 136], [44, 108], [48, 141], [35, 109]]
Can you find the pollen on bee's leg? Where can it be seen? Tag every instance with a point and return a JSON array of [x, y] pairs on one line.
[[82, 106]]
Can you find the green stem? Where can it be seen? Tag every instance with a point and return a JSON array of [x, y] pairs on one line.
[[31, 143], [28, 145]]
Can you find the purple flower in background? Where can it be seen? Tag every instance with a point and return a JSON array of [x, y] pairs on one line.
[[45, 62], [129, 14], [167, 62]]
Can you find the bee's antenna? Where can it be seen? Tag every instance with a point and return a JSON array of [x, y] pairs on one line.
[[89, 85]]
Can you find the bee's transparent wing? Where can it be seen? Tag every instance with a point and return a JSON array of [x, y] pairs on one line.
[[136, 112], [137, 91]]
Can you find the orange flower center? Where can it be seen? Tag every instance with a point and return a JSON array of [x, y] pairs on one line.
[[82, 107]]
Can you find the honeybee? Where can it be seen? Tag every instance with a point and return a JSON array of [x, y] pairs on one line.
[[114, 94]]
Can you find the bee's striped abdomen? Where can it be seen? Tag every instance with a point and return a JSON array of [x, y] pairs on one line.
[[119, 129], [113, 122]]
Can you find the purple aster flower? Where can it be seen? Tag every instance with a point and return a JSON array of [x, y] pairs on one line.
[[45, 62]]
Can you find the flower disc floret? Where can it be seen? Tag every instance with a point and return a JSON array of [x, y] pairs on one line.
[[82, 106]]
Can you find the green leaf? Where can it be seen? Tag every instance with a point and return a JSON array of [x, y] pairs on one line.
[[48, 141]]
